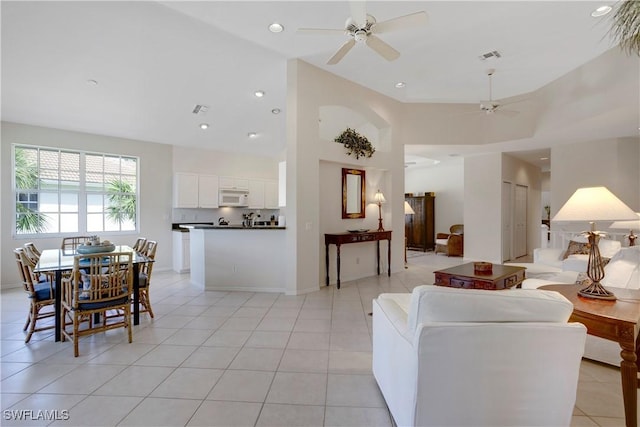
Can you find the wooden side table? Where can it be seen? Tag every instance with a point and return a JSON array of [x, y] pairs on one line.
[[464, 276], [344, 238], [616, 321]]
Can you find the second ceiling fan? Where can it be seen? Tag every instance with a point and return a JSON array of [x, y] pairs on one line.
[[363, 28]]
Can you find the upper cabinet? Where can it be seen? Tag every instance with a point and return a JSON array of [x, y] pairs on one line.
[[185, 190], [231, 183], [263, 194], [256, 194], [208, 191], [271, 194], [282, 184], [191, 190]]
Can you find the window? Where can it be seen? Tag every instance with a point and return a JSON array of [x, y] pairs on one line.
[[64, 191]]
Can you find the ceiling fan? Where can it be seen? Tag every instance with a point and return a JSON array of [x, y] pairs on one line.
[[491, 106], [363, 28]]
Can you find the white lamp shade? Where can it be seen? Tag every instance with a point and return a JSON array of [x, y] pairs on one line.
[[407, 209], [627, 225], [594, 204], [379, 197]]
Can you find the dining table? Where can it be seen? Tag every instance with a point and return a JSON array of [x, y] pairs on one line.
[[58, 261]]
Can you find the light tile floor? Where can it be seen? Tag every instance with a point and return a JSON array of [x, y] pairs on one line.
[[232, 359]]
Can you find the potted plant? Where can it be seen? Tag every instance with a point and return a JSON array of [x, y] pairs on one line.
[[626, 26], [355, 143]]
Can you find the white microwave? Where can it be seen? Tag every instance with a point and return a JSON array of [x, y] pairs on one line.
[[233, 198]]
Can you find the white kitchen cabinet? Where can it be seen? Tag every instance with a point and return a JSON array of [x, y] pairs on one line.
[[271, 194], [282, 184], [191, 190], [208, 191], [185, 190], [231, 183], [181, 252], [256, 194]]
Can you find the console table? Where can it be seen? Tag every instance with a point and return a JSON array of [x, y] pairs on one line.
[[344, 238]]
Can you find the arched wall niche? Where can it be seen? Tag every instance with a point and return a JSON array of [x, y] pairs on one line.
[[334, 119]]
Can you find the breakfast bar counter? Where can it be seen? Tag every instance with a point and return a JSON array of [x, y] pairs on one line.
[[236, 258]]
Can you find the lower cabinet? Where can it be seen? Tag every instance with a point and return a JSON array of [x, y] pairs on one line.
[[181, 252], [419, 228]]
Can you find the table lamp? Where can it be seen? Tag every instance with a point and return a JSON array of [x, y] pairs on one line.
[[379, 199], [594, 204], [408, 210], [628, 225]]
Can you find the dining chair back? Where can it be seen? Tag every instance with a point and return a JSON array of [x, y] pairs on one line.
[[99, 284], [145, 277], [32, 251], [40, 294], [72, 243], [140, 244]]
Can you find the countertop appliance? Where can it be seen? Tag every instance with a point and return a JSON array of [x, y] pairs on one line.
[[238, 198]]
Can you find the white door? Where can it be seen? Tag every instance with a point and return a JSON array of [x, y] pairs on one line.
[[506, 221], [520, 220]]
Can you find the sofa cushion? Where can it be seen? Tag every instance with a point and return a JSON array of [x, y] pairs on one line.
[[442, 304]]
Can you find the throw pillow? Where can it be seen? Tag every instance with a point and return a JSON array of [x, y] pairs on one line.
[[583, 279], [576, 248]]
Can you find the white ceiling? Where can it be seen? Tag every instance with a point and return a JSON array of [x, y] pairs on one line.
[[154, 61]]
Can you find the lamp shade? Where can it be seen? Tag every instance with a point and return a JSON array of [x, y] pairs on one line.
[[594, 204], [407, 209], [379, 197], [627, 225]]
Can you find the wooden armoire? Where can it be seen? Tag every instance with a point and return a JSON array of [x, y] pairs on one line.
[[419, 228]]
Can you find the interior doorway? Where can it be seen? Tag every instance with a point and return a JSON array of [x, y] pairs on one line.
[[520, 220], [506, 221]]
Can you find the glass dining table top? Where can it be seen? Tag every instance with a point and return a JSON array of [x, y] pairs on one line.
[[62, 259]]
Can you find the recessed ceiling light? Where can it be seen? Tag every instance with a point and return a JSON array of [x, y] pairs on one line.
[[252, 135], [276, 28], [400, 85], [275, 111], [601, 11], [92, 82], [259, 93], [204, 125]]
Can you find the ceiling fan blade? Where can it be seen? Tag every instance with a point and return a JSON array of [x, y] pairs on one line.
[[320, 31], [412, 20], [344, 49], [383, 49], [358, 13]]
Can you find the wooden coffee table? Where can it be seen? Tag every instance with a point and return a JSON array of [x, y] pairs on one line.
[[464, 276], [616, 321]]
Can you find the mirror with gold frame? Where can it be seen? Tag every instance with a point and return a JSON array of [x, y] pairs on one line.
[[353, 193]]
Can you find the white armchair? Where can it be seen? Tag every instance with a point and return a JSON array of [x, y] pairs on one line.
[[465, 357]]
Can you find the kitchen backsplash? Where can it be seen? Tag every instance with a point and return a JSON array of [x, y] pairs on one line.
[[232, 215]]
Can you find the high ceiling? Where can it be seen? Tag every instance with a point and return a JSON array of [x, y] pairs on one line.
[[153, 62]]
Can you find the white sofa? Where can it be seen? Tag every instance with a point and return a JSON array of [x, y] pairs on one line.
[[465, 357], [548, 262], [622, 271]]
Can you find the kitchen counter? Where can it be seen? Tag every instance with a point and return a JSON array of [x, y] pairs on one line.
[[236, 258], [230, 227]]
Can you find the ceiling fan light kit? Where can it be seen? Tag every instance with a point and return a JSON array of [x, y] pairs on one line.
[[361, 27]]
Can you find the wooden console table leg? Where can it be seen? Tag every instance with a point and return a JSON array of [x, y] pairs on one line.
[[389, 257], [338, 264], [629, 373], [326, 263], [378, 256]]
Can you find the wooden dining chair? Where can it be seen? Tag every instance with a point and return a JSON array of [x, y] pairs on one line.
[[70, 244], [40, 294], [99, 284], [145, 277], [32, 251], [140, 244]]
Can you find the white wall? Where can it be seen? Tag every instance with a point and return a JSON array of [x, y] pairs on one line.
[[310, 88], [446, 180], [483, 208], [155, 189], [612, 163]]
